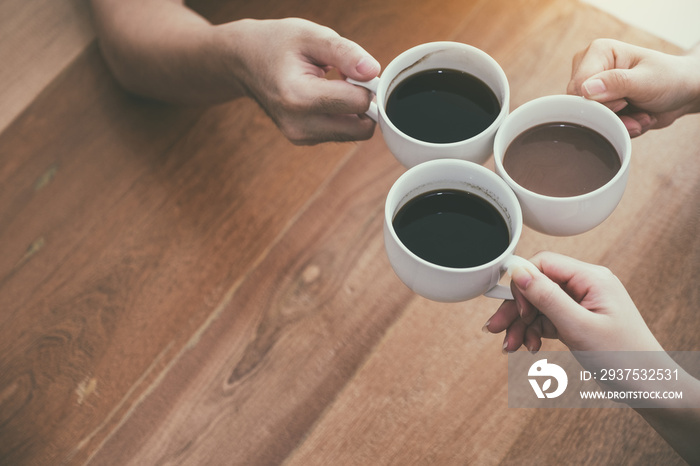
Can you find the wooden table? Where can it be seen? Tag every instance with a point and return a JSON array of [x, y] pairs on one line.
[[184, 286]]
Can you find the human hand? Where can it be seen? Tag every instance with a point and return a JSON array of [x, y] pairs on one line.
[[583, 305], [283, 64], [589, 310], [648, 89]]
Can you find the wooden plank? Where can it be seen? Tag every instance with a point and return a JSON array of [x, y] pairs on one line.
[[291, 336], [39, 39], [134, 240]]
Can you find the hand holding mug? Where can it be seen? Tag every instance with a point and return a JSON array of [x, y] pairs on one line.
[[282, 64], [583, 305], [649, 89]]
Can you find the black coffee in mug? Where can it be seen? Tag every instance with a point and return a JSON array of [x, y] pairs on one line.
[[442, 106], [561, 159], [452, 228]]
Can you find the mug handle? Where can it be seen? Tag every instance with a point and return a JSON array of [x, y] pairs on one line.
[[371, 86], [500, 292]]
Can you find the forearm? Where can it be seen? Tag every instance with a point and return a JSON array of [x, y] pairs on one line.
[[163, 50], [680, 427], [675, 418]]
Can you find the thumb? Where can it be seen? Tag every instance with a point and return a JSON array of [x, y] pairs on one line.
[[544, 294], [610, 85], [349, 58]]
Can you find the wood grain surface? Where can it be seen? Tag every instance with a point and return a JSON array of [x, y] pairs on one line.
[[38, 40], [182, 285]]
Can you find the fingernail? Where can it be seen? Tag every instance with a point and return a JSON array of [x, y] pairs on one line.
[[594, 87], [505, 348], [532, 351], [367, 65], [619, 106], [485, 328]]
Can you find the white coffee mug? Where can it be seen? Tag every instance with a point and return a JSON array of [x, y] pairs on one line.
[[566, 216], [447, 284], [438, 55]]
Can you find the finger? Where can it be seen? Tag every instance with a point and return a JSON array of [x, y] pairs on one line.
[[609, 86], [617, 105], [514, 336], [572, 275], [573, 87], [326, 49], [541, 281], [540, 328], [533, 339], [638, 123], [597, 57], [506, 314], [318, 128], [527, 311], [311, 93], [348, 57], [634, 128], [511, 310]]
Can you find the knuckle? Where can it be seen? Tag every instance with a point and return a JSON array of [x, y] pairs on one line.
[[601, 44], [541, 256], [367, 132], [309, 31], [604, 274], [361, 132], [296, 24], [296, 136], [293, 132], [291, 101]]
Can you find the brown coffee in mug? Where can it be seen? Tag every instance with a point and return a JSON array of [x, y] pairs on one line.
[[561, 159]]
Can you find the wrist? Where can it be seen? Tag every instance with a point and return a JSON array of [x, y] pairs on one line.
[[693, 58], [232, 44]]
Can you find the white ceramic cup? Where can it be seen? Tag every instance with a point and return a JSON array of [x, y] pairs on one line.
[[566, 216], [445, 55], [434, 281]]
